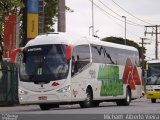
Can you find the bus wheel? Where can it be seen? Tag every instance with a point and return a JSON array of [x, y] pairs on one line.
[[55, 105], [89, 99], [127, 100], [153, 100], [95, 103], [44, 106]]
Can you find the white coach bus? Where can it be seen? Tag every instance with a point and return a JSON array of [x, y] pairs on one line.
[[57, 68]]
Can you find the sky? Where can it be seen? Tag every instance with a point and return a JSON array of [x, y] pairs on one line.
[[108, 20]]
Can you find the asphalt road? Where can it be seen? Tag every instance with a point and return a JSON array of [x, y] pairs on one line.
[[138, 109]]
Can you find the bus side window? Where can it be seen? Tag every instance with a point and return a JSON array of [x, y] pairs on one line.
[[102, 54], [74, 65], [80, 57]]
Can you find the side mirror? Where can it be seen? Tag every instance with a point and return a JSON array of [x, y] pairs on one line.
[[68, 52], [14, 54]]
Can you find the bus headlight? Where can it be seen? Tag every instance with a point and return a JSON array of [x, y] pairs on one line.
[[22, 92], [65, 89]]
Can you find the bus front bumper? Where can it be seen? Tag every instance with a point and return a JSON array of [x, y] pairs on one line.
[[43, 98], [153, 95]]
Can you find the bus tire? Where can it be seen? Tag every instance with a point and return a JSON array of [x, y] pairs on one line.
[[44, 106], [153, 100], [88, 102], [127, 100], [55, 106], [95, 103]]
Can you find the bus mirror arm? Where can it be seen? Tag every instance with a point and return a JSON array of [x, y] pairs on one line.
[[76, 66]]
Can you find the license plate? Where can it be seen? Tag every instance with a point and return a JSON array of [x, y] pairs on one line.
[[42, 98]]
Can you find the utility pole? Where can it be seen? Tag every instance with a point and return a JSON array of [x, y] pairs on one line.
[[61, 16], [92, 18], [143, 62], [41, 16], [155, 27], [125, 29], [142, 52]]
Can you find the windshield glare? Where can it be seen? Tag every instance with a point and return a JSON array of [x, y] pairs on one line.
[[153, 74], [44, 63]]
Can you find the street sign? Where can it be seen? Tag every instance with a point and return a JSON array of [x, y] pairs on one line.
[[32, 6]]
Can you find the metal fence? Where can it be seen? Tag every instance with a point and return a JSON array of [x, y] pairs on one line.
[[8, 84]]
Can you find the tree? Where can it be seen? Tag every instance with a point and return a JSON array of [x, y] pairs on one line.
[[7, 7], [51, 13], [16, 7]]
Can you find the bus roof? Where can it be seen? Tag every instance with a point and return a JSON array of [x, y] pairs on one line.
[[65, 38], [109, 44]]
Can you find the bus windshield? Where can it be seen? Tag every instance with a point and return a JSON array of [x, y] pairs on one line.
[[153, 74], [44, 63]]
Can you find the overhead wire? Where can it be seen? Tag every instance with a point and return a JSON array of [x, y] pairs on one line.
[[111, 16], [130, 13], [133, 23], [134, 17]]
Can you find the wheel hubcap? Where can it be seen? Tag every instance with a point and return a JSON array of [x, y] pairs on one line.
[[128, 97], [88, 98]]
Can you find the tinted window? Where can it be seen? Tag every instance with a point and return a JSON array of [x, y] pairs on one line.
[[153, 74], [43, 63], [110, 55], [124, 54], [80, 57], [102, 54]]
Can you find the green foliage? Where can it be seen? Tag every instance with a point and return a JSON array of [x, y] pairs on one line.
[[15, 7], [51, 13], [8, 7]]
